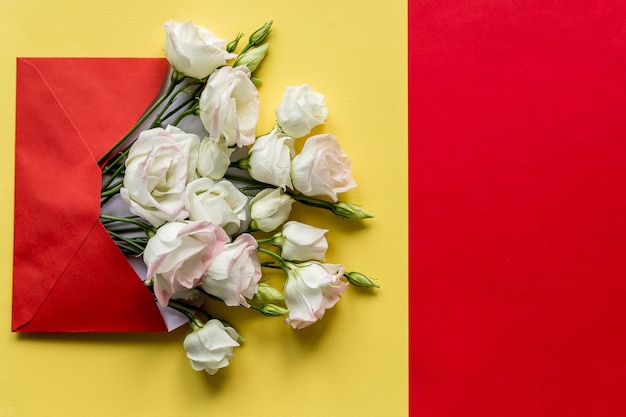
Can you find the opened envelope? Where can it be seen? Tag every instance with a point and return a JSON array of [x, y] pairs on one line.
[[68, 275]]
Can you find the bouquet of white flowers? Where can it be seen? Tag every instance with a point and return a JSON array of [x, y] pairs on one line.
[[206, 203]]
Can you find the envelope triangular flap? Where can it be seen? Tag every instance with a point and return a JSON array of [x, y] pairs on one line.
[[68, 274], [99, 292], [103, 97]]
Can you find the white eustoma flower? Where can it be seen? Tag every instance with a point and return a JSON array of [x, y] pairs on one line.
[[234, 274], [269, 209], [322, 168], [157, 169], [270, 159], [210, 348], [311, 288], [219, 202], [193, 50], [300, 110], [302, 242], [179, 254], [190, 145], [213, 159], [229, 106]]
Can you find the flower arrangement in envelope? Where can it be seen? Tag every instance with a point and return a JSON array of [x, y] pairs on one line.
[[139, 202]]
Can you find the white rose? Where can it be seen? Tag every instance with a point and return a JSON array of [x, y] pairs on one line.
[[210, 348], [229, 106], [269, 209], [322, 168], [311, 288], [300, 110], [235, 273], [219, 202], [213, 159], [156, 173], [190, 145], [270, 159], [301, 242], [193, 50], [179, 254]]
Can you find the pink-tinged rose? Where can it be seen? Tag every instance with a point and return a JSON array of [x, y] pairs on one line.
[[269, 209], [193, 50], [157, 169], [310, 290], [229, 106], [210, 347], [219, 202], [179, 254], [270, 159], [322, 168], [301, 242], [300, 110], [234, 274]]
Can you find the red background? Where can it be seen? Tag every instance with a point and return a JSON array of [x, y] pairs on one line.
[[517, 150]]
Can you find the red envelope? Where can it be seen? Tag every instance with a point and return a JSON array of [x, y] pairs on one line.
[[68, 275]]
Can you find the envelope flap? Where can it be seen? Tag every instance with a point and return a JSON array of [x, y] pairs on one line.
[[55, 177], [111, 297], [89, 89]]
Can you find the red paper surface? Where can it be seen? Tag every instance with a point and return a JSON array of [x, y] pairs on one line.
[[518, 208], [68, 273]]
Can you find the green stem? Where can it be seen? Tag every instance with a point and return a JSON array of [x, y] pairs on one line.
[[184, 114], [312, 201], [242, 53], [265, 240], [244, 179], [126, 229], [174, 111], [211, 296], [114, 175], [174, 81], [192, 307], [107, 219], [145, 227], [159, 118], [138, 249], [270, 265], [253, 187], [117, 161], [126, 249], [194, 321], [114, 190], [272, 254], [106, 200]]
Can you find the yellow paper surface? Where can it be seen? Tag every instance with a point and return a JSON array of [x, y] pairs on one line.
[[353, 362]]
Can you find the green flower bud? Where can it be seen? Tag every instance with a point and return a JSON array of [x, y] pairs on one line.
[[360, 280], [232, 45], [272, 310], [268, 294], [260, 34], [350, 211], [253, 57]]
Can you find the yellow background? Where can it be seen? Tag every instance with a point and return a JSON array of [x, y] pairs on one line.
[[353, 362]]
